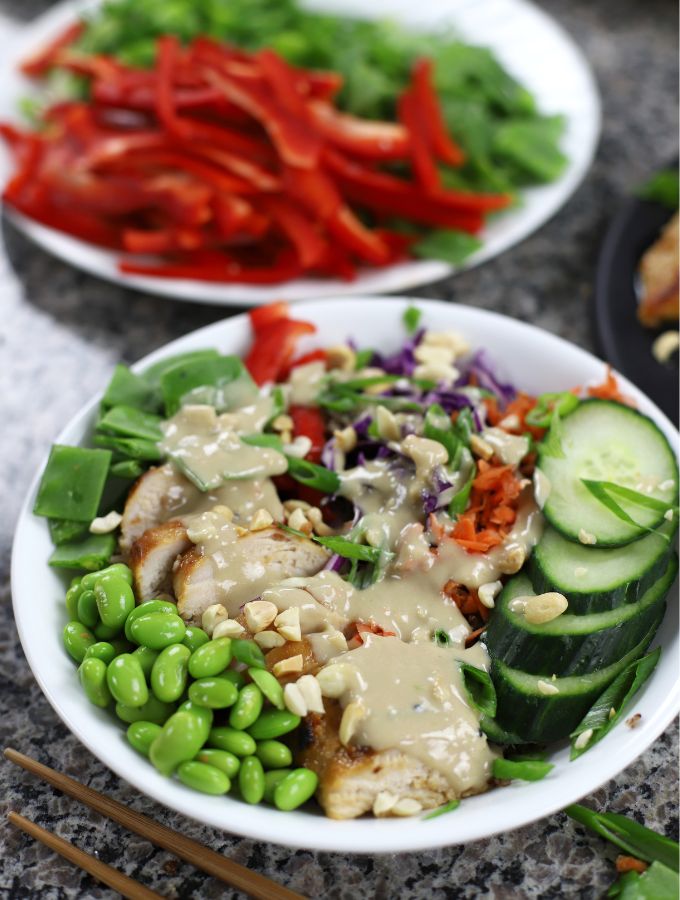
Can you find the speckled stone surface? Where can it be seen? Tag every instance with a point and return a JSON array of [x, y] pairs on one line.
[[62, 331]]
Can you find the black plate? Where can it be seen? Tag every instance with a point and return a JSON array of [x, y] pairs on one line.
[[622, 340]]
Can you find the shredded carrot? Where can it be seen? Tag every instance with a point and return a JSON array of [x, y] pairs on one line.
[[609, 390], [372, 628], [472, 637], [466, 599], [520, 406], [630, 864]]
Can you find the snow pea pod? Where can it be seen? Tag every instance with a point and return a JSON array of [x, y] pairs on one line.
[[77, 638], [92, 674], [141, 735], [251, 779], [169, 673], [126, 681], [203, 777], [158, 630], [210, 659], [115, 599], [148, 606], [215, 693], [295, 789]]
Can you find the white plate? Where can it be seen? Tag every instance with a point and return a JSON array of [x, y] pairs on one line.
[[534, 361], [529, 43]]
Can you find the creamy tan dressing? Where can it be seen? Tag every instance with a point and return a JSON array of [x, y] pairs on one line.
[[305, 383], [413, 699], [509, 448], [209, 450]]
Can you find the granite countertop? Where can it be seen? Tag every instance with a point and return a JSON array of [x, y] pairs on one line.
[[61, 332]]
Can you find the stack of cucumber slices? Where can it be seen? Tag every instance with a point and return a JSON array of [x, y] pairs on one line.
[[607, 548]]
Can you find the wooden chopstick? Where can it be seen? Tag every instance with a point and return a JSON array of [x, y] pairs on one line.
[[196, 854], [128, 887]]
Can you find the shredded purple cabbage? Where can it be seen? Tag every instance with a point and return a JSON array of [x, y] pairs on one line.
[[328, 454], [403, 362], [334, 564], [487, 377]]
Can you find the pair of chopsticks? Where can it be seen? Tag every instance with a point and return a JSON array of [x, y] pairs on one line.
[[201, 857]]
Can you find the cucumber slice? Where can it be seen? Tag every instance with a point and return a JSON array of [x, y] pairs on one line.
[[606, 441], [536, 717], [594, 580], [569, 644]]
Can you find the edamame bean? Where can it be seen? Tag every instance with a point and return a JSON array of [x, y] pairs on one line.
[[248, 653], [251, 779], [247, 708], [195, 637], [203, 777], [295, 789], [143, 609], [115, 600], [152, 711], [274, 754], [105, 632], [271, 781], [142, 734], [237, 742], [169, 673], [120, 645], [215, 693], [88, 613], [88, 581], [92, 674], [101, 650], [202, 714], [147, 657], [211, 658], [179, 740], [126, 682], [77, 638], [237, 678], [273, 723], [158, 630], [221, 759], [72, 597], [269, 685]]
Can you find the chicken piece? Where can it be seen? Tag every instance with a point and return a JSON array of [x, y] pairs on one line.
[[350, 778], [152, 500], [256, 561], [660, 300], [152, 557]]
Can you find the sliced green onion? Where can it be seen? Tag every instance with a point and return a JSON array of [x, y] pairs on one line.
[[480, 689], [526, 770], [312, 475], [440, 810], [363, 358], [546, 404], [351, 550], [411, 318], [602, 491], [441, 638], [551, 445], [439, 427], [72, 483]]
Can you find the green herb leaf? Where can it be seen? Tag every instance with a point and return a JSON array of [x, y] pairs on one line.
[[441, 638], [351, 550], [541, 415], [633, 838], [411, 318], [480, 689], [460, 500], [602, 491], [363, 358], [663, 187], [440, 810], [527, 770], [449, 246], [551, 445], [617, 696], [439, 427], [312, 475]]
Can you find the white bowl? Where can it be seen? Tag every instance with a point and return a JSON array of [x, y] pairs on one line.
[[534, 361]]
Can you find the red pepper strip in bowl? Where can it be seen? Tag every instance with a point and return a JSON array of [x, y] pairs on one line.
[[274, 347], [308, 422]]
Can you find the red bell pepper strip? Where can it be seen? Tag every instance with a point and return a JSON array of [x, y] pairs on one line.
[[308, 242], [281, 79], [274, 347], [313, 190], [44, 59], [337, 263], [313, 356], [90, 228], [308, 422], [235, 216], [424, 166], [227, 269], [442, 144], [164, 240], [166, 64], [183, 162], [355, 236], [360, 137], [255, 174], [263, 316]]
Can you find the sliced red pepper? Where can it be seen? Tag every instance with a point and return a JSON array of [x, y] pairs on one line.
[[221, 268], [44, 59], [313, 190], [360, 137], [255, 174], [274, 347], [308, 422], [355, 236], [166, 64], [442, 144], [163, 240], [263, 316], [235, 216], [89, 228], [183, 162], [282, 80], [309, 244], [424, 166], [313, 356]]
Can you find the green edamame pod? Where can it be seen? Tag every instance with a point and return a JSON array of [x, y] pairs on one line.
[[274, 754], [221, 759], [72, 597], [169, 673], [143, 609], [248, 653], [295, 789], [126, 681], [88, 613], [210, 659], [203, 777], [272, 780], [195, 637], [101, 650], [251, 779], [203, 715], [215, 693], [120, 570], [105, 632], [158, 630], [147, 657], [247, 708], [180, 739], [269, 685], [121, 645], [92, 674], [153, 710], [77, 638], [273, 723], [142, 734], [115, 600], [237, 742], [238, 679]]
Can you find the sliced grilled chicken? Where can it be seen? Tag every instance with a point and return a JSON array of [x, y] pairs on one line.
[[350, 778], [256, 561], [152, 557], [152, 500]]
